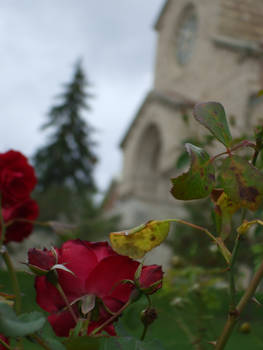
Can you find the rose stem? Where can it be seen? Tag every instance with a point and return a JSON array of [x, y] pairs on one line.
[[111, 319], [232, 287], [5, 345], [145, 328], [9, 264], [40, 341], [14, 279], [64, 297], [231, 321]]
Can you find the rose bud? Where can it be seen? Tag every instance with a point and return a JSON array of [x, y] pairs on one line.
[[40, 261], [148, 316]]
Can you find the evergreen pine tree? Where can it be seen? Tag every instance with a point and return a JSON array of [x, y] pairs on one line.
[[65, 165], [67, 161]]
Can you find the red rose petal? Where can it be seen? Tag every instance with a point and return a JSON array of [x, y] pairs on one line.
[[62, 323], [105, 279], [47, 295], [19, 230], [17, 177], [101, 249], [80, 259]]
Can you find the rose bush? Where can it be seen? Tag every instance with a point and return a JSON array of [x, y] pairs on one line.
[[17, 177], [17, 180], [93, 278]]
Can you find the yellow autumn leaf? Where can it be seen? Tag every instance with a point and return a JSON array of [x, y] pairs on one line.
[[137, 242]]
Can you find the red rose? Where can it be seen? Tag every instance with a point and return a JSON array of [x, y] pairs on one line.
[[97, 275], [18, 230], [41, 261], [17, 177], [6, 340]]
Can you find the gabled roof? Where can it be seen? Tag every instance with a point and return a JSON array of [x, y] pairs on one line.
[[159, 19], [171, 99], [238, 19]]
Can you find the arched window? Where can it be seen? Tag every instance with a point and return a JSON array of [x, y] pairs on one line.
[[186, 34], [147, 160]]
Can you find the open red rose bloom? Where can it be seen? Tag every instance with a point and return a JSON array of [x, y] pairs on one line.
[[96, 285], [17, 180]]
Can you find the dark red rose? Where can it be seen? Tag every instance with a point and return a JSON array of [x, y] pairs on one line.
[[17, 177], [6, 340], [97, 272], [18, 230]]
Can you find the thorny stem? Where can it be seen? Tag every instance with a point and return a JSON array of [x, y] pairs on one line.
[[232, 288], [233, 317], [13, 277], [44, 224], [218, 240], [244, 143], [216, 156], [200, 228], [64, 297], [111, 319]]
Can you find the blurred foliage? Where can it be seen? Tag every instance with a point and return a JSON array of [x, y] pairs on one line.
[[196, 284]]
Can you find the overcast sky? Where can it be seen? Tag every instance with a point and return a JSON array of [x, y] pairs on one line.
[[41, 41]]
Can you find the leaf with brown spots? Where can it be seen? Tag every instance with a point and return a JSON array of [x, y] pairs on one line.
[[224, 209], [140, 240], [212, 116], [199, 181], [242, 182]]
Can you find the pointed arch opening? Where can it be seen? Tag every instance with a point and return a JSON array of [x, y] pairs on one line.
[[147, 161]]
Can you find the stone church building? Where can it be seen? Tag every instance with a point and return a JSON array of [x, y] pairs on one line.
[[207, 50]]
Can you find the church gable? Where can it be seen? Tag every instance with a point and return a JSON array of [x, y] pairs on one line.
[[207, 50]]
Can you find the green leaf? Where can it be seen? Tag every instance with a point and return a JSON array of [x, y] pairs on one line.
[[242, 182], [130, 343], [83, 343], [54, 344], [137, 242], [182, 160], [212, 116], [19, 326], [198, 182]]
